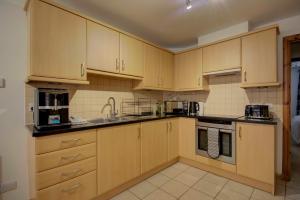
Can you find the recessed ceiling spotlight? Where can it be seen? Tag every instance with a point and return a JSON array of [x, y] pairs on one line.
[[188, 4]]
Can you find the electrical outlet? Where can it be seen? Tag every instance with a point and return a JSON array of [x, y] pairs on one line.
[[8, 186], [30, 107]]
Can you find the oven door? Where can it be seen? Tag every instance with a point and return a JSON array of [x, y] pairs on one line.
[[201, 141], [227, 146]]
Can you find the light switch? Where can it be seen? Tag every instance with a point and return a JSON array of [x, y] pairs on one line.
[[2, 83]]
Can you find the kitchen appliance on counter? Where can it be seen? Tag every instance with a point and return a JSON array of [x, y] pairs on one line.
[[196, 108], [215, 138], [257, 112], [176, 108], [51, 108]]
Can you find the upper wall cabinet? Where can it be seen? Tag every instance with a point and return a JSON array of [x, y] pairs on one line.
[[259, 59], [102, 48], [131, 56], [57, 44], [158, 71], [188, 71], [222, 56]]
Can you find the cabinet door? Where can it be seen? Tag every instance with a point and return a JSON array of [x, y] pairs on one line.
[[222, 56], [166, 70], [259, 57], [102, 48], [187, 138], [58, 43], [118, 156], [256, 152], [154, 144], [132, 56], [188, 70], [173, 139], [152, 67]]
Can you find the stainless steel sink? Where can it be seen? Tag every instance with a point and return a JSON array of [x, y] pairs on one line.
[[111, 120]]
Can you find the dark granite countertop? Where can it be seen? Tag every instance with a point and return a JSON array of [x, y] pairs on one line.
[[86, 126]]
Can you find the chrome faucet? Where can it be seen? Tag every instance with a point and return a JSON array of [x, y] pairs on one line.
[[112, 106]]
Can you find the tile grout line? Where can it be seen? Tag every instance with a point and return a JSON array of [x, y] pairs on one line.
[[221, 189]]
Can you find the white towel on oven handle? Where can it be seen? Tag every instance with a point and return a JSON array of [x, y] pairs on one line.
[[213, 143]]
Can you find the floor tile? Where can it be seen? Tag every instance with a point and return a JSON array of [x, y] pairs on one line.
[[175, 188], [186, 179], [171, 172], [125, 196], [180, 166], [198, 173], [261, 195], [215, 179], [195, 195], [239, 188], [227, 194], [158, 179], [293, 193], [208, 188], [142, 189], [159, 195]]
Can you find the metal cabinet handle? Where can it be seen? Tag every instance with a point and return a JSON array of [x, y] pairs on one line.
[[240, 132], [245, 76], [139, 135], [71, 174], [123, 65], [170, 126], [117, 65], [70, 158], [71, 141], [199, 81], [82, 69], [72, 188]]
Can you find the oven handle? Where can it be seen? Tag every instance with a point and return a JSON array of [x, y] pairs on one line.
[[226, 131]]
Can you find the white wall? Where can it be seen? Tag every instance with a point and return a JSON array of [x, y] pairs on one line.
[[13, 134]]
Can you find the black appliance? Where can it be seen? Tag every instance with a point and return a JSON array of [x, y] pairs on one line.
[[193, 108], [176, 107], [257, 112], [51, 108]]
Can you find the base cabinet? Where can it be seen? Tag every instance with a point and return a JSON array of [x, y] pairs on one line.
[[173, 139], [118, 155], [256, 152], [187, 147], [154, 144]]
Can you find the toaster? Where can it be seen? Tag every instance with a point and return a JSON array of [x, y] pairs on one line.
[[257, 112]]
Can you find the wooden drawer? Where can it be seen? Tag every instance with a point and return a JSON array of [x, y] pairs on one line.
[[63, 157], [60, 174], [81, 188], [63, 141]]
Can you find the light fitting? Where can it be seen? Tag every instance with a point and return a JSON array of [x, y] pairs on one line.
[[188, 4]]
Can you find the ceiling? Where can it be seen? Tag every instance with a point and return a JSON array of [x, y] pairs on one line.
[[169, 24]]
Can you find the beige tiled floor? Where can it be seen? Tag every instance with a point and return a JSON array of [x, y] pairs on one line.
[[183, 182]]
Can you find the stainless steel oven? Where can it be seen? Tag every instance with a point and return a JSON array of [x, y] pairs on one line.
[[216, 139]]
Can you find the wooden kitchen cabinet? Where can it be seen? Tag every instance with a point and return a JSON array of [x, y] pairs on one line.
[[102, 48], [187, 138], [159, 69], [57, 43], [166, 70], [256, 152], [188, 71], [154, 143], [132, 55], [173, 139], [119, 155], [259, 59], [222, 56]]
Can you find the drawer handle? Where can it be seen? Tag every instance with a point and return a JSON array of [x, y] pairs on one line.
[[70, 158], [71, 174], [72, 188], [71, 141]]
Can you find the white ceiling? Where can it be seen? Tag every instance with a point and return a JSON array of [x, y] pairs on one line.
[[169, 24]]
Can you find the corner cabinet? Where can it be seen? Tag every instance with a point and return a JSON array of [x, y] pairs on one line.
[[118, 156], [259, 59], [188, 71], [57, 44], [256, 152]]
